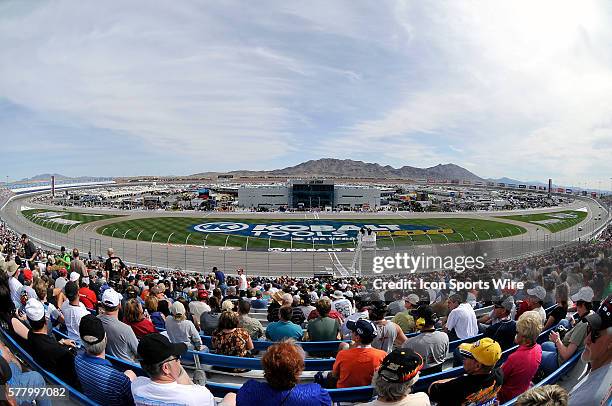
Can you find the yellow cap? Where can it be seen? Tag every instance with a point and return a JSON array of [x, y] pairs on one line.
[[486, 351]]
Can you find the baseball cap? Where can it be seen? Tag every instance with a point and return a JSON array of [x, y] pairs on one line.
[[202, 293], [74, 276], [92, 326], [602, 318], [584, 294], [63, 272], [538, 292], [72, 290], [338, 294], [426, 313], [348, 294], [154, 348], [27, 274], [177, 308], [412, 298], [507, 302], [400, 365], [362, 327], [486, 351], [111, 298], [11, 268], [34, 309]]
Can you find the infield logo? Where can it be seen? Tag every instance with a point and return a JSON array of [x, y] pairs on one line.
[[221, 227], [322, 231]]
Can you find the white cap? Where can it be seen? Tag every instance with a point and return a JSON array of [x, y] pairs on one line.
[[538, 292], [178, 308], [585, 294], [74, 276], [86, 280], [34, 309], [338, 294], [349, 294], [111, 298], [412, 298]]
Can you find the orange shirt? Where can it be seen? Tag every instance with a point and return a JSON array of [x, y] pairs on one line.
[[356, 366]]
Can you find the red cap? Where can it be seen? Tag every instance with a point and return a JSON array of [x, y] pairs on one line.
[[63, 272], [202, 294], [27, 274]]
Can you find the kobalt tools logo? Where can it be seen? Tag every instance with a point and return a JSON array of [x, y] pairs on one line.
[[319, 231], [221, 227]]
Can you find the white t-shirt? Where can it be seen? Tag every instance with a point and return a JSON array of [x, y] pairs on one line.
[[413, 399], [242, 282], [463, 320], [15, 288], [196, 308], [343, 306], [149, 393], [346, 333], [542, 314], [72, 319]]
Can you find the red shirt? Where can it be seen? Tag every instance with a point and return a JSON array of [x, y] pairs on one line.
[[356, 366], [142, 328], [333, 314], [519, 370], [88, 297]]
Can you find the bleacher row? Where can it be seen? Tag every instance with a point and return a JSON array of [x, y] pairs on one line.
[[338, 396]]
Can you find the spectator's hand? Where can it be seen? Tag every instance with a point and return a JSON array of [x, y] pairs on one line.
[[130, 374], [554, 336], [67, 342]]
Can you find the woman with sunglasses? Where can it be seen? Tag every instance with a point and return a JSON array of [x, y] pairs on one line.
[[557, 350]]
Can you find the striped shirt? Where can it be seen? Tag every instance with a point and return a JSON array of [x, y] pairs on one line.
[[101, 382]]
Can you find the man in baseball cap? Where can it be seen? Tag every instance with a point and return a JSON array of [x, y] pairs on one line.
[[404, 318], [100, 381], [397, 374], [121, 340], [504, 329], [594, 389], [535, 298], [161, 360], [481, 381], [355, 366]]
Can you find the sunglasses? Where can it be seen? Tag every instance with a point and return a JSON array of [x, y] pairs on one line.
[[595, 334], [170, 360]]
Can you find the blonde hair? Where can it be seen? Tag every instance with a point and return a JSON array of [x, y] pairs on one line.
[[529, 325], [547, 395], [227, 305]]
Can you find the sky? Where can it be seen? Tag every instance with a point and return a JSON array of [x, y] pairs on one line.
[[521, 89]]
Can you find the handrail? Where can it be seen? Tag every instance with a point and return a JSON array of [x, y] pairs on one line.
[[229, 361], [308, 346]]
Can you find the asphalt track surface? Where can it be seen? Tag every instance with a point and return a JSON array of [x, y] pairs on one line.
[[199, 257]]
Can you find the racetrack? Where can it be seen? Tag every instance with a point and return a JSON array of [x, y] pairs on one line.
[[299, 261]]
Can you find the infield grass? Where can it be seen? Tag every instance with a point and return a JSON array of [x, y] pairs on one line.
[[178, 230], [37, 216], [553, 221]]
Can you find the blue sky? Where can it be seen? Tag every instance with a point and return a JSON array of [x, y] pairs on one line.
[[520, 89]]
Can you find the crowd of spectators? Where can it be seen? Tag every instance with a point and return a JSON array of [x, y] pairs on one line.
[[152, 317]]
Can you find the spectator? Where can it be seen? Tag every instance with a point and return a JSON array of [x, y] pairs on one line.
[[73, 310], [323, 328], [461, 322], [242, 283], [100, 381], [388, 333], [356, 366], [220, 277], [259, 302], [168, 383], [278, 299], [210, 320], [341, 304], [251, 325], [284, 328], [157, 318], [535, 299], [29, 250], [114, 267], [181, 330], [52, 314], [404, 318], [134, 316], [557, 350], [61, 280], [197, 307], [431, 344], [228, 339], [55, 357], [297, 314], [306, 307], [595, 388], [522, 365], [559, 313], [13, 271], [397, 374], [121, 342], [88, 297], [481, 380], [283, 364], [13, 376], [397, 305], [361, 303], [546, 395], [504, 329], [64, 259], [77, 265]]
